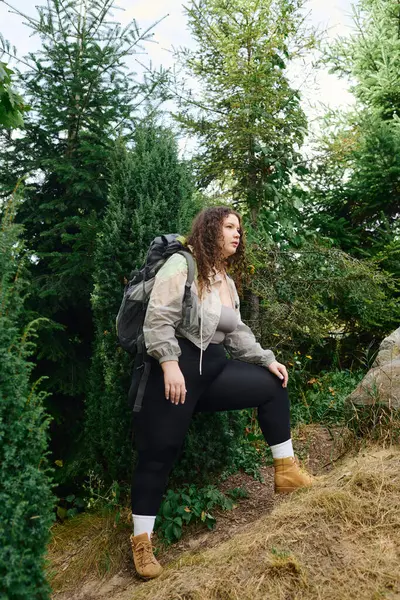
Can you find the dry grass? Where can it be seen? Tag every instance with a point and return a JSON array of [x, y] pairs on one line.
[[89, 549], [88, 545], [338, 541], [375, 421]]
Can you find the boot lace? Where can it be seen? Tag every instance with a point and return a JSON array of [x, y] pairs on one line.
[[144, 554]]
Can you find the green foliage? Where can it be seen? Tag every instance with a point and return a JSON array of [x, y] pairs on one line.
[[354, 180], [82, 97], [25, 495], [12, 106], [324, 400], [322, 302], [355, 193], [96, 496], [189, 505], [238, 493], [69, 507], [244, 111], [150, 193], [246, 114], [370, 56]]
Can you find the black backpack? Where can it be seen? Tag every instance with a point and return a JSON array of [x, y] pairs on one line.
[[133, 308]]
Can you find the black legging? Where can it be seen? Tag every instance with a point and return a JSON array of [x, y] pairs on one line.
[[160, 427]]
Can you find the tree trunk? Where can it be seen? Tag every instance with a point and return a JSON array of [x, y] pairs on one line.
[[254, 299]]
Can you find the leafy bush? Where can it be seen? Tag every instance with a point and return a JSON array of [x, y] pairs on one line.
[[189, 504], [238, 493], [324, 401], [322, 302], [26, 500], [95, 496]]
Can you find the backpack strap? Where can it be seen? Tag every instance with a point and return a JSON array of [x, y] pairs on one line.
[[187, 297], [142, 386], [139, 381]]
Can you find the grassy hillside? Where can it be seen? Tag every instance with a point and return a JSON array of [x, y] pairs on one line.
[[339, 541]]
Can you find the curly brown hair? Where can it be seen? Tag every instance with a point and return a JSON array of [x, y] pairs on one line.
[[205, 234]]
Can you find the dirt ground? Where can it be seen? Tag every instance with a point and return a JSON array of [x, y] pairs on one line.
[[318, 448]]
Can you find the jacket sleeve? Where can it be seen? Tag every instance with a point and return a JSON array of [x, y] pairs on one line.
[[164, 311], [242, 344]]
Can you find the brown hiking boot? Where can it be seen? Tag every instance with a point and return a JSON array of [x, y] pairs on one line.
[[289, 476], [145, 562]]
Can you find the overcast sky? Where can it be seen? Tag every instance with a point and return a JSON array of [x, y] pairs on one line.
[[321, 88]]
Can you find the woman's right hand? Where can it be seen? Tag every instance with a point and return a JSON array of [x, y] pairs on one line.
[[174, 382]]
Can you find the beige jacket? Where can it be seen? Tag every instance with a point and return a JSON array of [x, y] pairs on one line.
[[164, 318]]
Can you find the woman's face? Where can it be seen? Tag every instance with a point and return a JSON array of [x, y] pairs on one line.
[[230, 235]]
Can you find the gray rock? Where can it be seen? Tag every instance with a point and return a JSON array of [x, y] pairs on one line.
[[389, 349], [381, 384]]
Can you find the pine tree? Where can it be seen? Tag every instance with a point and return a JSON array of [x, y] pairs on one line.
[[355, 180], [150, 193], [354, 200], [245, 113], [370, 56], [25, 495], [81, 96]]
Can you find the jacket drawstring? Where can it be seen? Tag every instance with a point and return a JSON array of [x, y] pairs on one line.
[[201, 336]]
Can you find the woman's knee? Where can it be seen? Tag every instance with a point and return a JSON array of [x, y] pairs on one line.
[[272, 388]]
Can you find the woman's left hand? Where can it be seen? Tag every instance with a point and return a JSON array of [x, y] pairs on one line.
[[280, 371]]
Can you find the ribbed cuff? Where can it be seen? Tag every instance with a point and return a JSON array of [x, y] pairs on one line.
[[168, 357]]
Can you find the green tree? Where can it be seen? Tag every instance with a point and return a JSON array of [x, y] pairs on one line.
[[354, 182], [354, 194], [26, 501], [82, 96], [25, 497], [151, 192], [245, 114], [323, 302], [370, 56]]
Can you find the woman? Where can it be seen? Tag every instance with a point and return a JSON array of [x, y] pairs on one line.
[[190, 371]]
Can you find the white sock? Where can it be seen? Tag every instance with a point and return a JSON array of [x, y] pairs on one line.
[[283, 450], [143, 524]]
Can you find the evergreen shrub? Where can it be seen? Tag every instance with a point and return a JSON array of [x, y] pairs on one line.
[[80, 95], [26, 501], [151, 193], [322, 302]]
